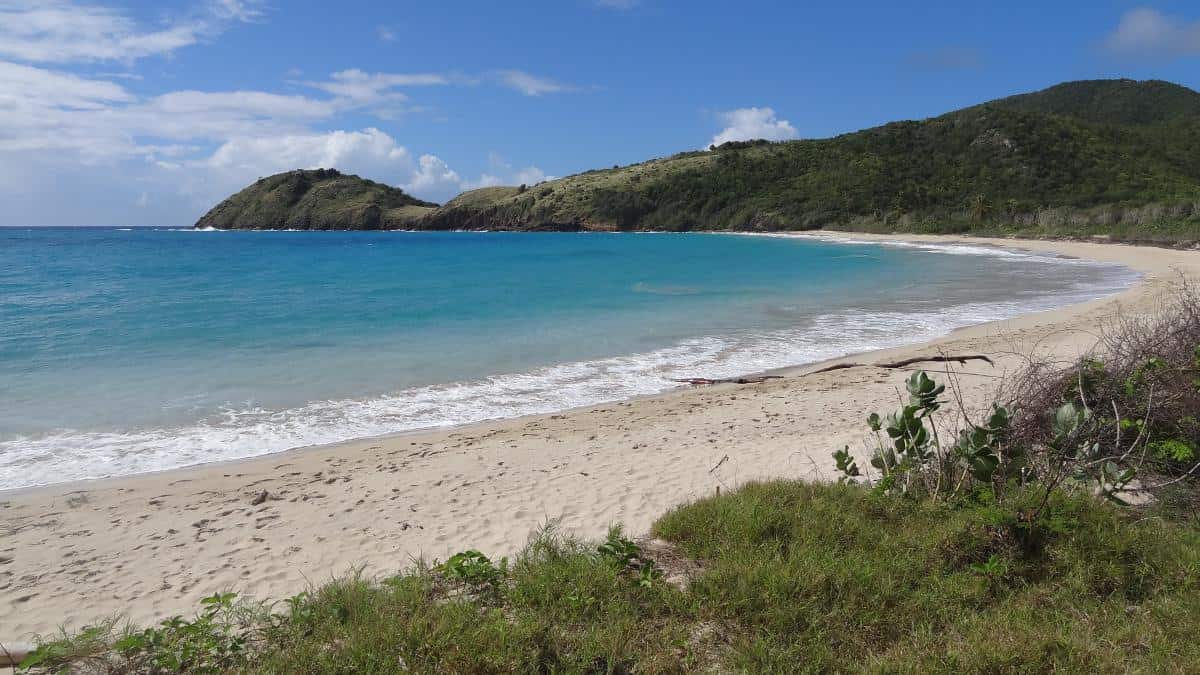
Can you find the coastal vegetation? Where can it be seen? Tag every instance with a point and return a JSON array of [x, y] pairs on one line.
[[1109, 158], [318, 199], [1057, 531]]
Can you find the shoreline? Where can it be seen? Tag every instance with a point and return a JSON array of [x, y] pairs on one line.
[[152, 544], [1056, 300]]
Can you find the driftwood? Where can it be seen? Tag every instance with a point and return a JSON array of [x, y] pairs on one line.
[[732, 380], [961, 360]]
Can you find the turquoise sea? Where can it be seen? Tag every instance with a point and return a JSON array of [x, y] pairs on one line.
[[133, 350]]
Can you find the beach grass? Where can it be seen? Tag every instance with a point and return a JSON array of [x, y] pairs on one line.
[[832, 578]]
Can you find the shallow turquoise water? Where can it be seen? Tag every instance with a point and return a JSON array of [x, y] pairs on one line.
[[124, 351]]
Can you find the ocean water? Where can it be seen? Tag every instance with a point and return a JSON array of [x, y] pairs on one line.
[[133, 350]]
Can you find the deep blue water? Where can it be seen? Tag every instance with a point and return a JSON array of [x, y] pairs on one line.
[[124, 351]]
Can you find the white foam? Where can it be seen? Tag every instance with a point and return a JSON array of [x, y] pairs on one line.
[[948, 248]]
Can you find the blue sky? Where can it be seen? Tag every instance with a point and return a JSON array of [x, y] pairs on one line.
[[134, 113]]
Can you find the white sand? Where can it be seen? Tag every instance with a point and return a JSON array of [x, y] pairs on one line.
[[151, 546]]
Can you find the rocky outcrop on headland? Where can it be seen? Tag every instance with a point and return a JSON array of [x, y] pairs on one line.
[[316, 199]]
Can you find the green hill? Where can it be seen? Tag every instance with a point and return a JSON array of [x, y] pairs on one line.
[[319, 199], [1112, 157]]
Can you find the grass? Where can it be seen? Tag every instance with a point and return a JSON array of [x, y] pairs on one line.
[[406, 214], [482, 197], [795, 577], [832, 578]]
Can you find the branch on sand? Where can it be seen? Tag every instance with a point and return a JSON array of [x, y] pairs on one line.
[[732, 380], [961, 360]]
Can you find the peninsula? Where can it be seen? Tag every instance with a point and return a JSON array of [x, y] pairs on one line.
[[318, 199]]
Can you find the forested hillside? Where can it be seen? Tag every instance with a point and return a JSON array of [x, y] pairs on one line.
[[1111, 157]]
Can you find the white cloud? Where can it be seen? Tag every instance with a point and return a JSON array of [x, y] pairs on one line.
[[434, 177], [48, 109], [485, 180], [501, 172], [746, 124], [370, 152], [95, 121], [531, 85], [27, 84], [1147, 32], [385, 33], [531, 175], [164, 159], [64, 31], [362, 87], [194, 146], [241, 10], [248, 105]]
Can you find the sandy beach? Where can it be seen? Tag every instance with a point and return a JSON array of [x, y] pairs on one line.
[[151, 546]]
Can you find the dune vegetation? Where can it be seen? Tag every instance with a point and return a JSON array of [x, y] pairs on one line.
[[791, 577]]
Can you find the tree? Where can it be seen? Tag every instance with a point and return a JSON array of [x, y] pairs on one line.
[[980, 208]]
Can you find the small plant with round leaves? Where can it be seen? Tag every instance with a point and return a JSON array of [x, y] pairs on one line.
[[475, 570], [627, 556]]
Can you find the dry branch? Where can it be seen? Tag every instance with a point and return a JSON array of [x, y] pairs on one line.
[[732, 380], [961, 360], [840, 366]]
